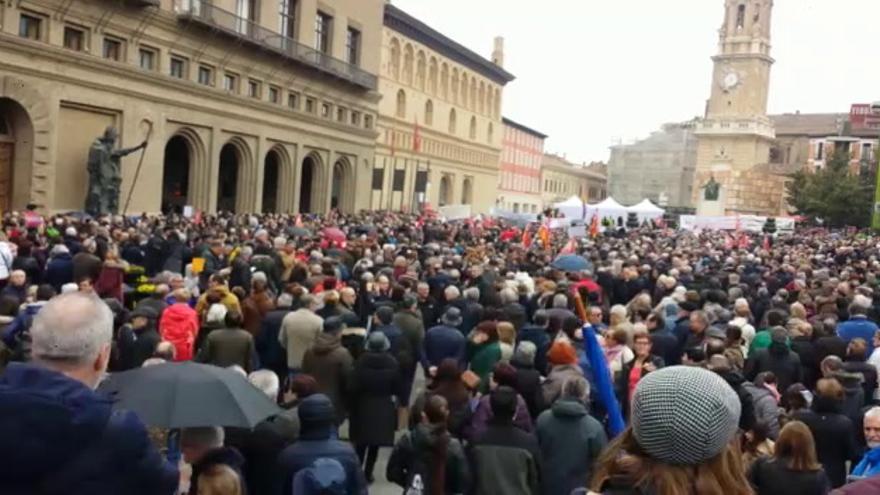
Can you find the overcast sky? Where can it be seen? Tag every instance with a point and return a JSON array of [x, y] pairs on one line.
[[590, 73]]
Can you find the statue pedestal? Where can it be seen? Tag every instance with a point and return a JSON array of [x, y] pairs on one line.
[[710, 208]]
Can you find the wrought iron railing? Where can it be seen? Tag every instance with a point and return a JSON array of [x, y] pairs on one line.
[[250, 31]]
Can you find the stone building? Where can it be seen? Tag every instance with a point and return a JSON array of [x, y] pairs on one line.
[[735, 137], [659, 167], [519, 177], [562, 179], [439, 122], [249, 105]]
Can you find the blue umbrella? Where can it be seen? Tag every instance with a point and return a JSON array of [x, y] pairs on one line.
[[571, 263]]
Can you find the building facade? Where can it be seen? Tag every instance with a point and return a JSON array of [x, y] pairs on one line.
[[249, 105], [439, 124], [735, 136], [562, 179], [519, 177], [660, 167]]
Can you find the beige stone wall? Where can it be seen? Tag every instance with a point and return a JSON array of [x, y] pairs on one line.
[[70, 95], [746, 192], [561, 180], [416, 95]]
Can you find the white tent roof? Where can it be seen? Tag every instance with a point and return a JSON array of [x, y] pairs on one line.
[[573, 201], [646, 206], [609, 204]]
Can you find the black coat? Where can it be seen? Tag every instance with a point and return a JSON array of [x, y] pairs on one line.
[[528, 385], [260, 448], [835, 438], [622, 385], [515, 313], [373, 410], [135, 346], [665, 345], [806, 351], [269, 350], [785, 364], [869, 376], [774, 477]]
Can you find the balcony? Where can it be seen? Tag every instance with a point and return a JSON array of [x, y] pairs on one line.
[[733, 127], [249, 32]]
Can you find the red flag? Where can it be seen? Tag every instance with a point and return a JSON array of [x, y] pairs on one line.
[[728, 241], [766, 244], [417, 137], [526, 238], [744, 241], [594, 227]]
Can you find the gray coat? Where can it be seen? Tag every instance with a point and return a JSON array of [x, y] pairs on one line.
[[766, 408], [570, 441]]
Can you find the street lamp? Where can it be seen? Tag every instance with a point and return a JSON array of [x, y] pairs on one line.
[[875, 216]]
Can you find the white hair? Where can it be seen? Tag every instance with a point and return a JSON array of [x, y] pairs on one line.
[[472, 294], [285, 300], [874, 413], [508, 295], [69, 288], [238, 369], [261, 276], [279, 242], [451, 293], [267, 381], [72, 328], [59, 249]]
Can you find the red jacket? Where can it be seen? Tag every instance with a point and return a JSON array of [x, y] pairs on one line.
[[180, 325]]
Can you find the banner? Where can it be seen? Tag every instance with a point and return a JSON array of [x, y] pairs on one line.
[[455, 212]]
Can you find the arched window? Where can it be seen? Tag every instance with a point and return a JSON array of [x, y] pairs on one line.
[[482, 98], [444, 81], [497, 103], [473, 94], [473, 130], [401, 104], [429, 113], [394, 66], [454, 86], [421, 67], [408, 64], [490, 133], [452, 121], [432, 76], [490, 105], [741, 16], [463, 94]]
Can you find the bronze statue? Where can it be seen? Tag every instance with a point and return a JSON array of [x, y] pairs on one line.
[[712, 190], [105, 174]]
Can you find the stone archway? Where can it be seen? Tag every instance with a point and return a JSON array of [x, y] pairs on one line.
[[467, 191], [16, 154], [34, 161], [311, 195], [271, 184], [445, 191], [343, 189], [227, 178], [176, 171]]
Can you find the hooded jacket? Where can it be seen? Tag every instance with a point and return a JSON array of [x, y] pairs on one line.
[[180, 326], [331, 365], [570, 441], [60, 437]]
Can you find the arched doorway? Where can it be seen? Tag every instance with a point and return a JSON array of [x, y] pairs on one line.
[[271, 184], [445, 191], [342, 192], [16, 154], [175, 175], [227, 180], [306, 184], [467, 191]]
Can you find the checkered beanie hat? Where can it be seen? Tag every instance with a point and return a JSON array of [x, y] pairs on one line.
[[684, 415]]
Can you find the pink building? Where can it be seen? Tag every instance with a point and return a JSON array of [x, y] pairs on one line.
[[519, 174]]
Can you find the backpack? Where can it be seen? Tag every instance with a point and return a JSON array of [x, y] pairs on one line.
[[325, 476]]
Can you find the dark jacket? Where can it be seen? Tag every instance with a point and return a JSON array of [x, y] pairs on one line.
[[401, 347], [665, 345], [622, 385], [317, 440], [86, 265], [260, 448], [269, 350], [528, 385], [515, 313], [785, 364], [443, 342], [331, 366], [774, 477], [413, 330], [223, 456], [869, 376], [59, 271], [134, 346], [570, 441], [806, 351], [375, 382], [538, 336], [229, 346], [413, 455], [835, 438], [747, 414], [59, 436], [506, 460]]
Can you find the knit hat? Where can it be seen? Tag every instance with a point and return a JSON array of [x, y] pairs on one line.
[[334, 324], [378, 342], [562, 352], [525, 353], [316, 411], [683, 415], [452, 317]]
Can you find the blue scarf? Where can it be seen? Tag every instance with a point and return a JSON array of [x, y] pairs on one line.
[[870, 464]]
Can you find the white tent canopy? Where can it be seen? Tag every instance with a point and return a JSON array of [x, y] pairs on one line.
[[572, 207], [607, 208], [646, 210]]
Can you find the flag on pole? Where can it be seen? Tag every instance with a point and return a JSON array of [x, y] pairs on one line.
[[526, 237], [594, 226], [593, 362], [544, 234]]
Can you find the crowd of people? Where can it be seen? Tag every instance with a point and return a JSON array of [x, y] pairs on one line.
[[669, 363]]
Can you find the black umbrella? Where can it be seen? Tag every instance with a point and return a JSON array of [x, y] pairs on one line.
[[180, 395]]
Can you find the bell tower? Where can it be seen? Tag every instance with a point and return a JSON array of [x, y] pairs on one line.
[[735, 135]]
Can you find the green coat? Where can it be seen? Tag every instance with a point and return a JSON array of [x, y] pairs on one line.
[[482, 359]]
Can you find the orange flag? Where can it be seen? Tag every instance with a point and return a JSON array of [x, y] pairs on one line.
[[544, 234], [594, 227], [526, 237]]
